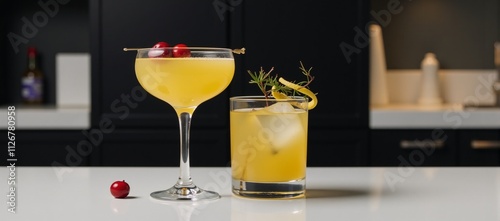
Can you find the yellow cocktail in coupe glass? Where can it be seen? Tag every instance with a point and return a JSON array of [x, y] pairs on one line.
[[184, 83]]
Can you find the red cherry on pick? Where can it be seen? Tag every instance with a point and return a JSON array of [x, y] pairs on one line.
[[180, 50], [120, 189], [161, 52]]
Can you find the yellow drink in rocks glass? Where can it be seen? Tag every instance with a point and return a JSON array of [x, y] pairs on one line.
[[268, 146], [184, 82]]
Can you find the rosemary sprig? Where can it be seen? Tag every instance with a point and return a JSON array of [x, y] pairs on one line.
[[307, 73], [266, 82], [261, 79]]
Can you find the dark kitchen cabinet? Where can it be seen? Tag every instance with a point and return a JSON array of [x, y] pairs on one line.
[[288, 33], [58, 148], [145, 129], [117, 94], [426, 147], [281, 34], [479, 147], [338, 148], [276, 34], [413, 147], [141, 130], [160, 147]]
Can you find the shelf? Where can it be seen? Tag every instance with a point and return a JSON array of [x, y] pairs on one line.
[[444, 117], [49, 118]]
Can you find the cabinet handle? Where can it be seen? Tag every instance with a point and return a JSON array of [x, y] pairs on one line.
[[485, 144], [421, 144]]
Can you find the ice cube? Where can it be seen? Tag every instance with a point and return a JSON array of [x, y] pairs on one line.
[[281, 107], [280, 125], [289, 135]]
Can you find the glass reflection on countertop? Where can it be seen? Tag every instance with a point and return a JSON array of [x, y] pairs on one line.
[[252, 209]]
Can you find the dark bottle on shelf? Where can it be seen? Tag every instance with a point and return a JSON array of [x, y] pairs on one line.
[[32, 82]]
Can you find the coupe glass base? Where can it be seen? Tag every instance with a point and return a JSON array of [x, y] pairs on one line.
[[188, 193]]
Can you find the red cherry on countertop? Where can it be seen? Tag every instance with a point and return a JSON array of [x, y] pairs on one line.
[[180, 50], [161, 52], [120, 189]]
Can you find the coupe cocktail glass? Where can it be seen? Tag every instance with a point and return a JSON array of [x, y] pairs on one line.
[[185, 83]]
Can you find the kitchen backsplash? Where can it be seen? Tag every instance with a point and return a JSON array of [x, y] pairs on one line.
[[456, 86], [460, 32]]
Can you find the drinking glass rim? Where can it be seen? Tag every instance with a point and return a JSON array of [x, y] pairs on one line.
[[268, 98]]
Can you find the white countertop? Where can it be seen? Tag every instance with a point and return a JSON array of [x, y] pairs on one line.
[[343, 193], [408, 116]]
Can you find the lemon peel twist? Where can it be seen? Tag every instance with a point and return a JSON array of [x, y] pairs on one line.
[[278, 95]]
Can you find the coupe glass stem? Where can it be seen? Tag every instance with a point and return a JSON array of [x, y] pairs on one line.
[[184, 189], [184, 125]]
